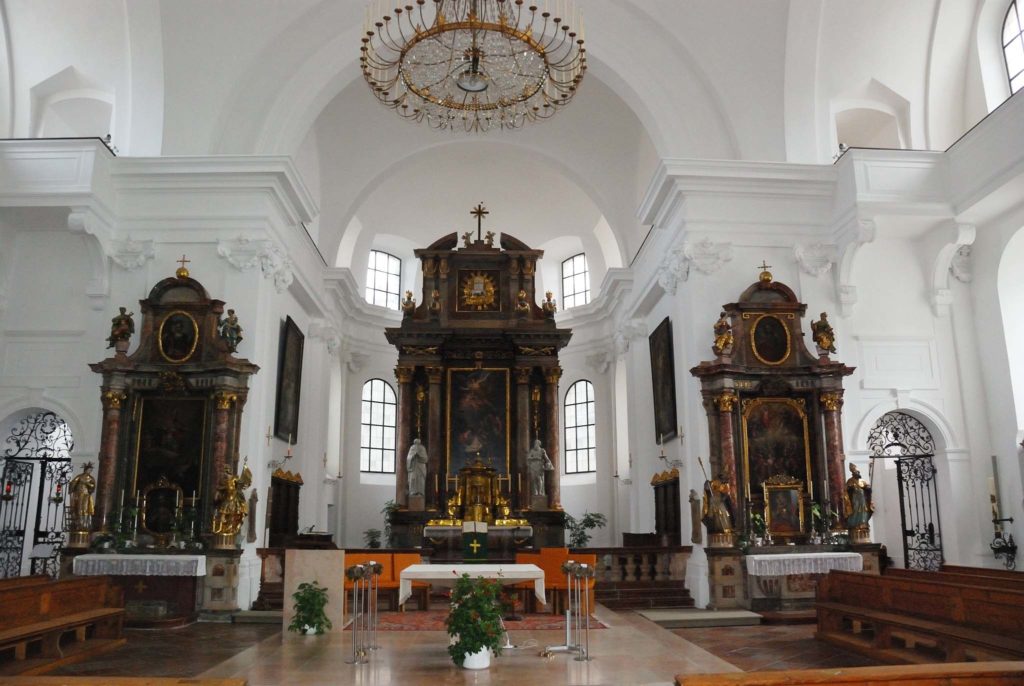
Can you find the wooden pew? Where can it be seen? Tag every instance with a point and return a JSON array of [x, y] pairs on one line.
[[959, 578], [116, 681], [950, 674], [44, 625], [983, 571], [899, 619]]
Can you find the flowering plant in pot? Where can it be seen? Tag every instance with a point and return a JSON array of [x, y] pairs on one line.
[[474, 622], [310, 600]]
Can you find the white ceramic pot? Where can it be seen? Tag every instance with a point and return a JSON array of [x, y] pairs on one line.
[[478, 660], [310, 630]]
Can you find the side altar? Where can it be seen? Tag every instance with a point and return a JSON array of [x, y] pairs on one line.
[[478, 404]]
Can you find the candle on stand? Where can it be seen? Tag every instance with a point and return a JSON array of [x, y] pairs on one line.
[[121, 506]]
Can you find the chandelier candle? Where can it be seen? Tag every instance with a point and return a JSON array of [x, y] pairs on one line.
[[473, 65]]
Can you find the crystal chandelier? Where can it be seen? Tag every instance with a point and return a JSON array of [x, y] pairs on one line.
[[474, 65]]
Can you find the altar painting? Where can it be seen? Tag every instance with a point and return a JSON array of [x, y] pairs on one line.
[[478, 418], [169, 442], [775, 441]]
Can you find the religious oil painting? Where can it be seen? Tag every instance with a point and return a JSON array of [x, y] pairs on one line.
[[170, 434], [769, 340], [663, 373], [775, 440], [178, 336], [289, 382], [784, 509], [478, 418]]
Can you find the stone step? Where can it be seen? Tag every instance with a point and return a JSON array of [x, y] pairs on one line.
[[646, 603], [642, 595], [257, 617]]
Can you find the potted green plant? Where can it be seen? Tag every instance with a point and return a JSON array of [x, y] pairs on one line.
[[474, 622], [578, 529], [758, 527], [371, 537], [389, 510], [310, 600]]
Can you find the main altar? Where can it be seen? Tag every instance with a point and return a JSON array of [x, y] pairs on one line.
[[478, 406]]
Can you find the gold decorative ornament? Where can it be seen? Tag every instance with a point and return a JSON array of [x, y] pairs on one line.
[[489, 239], [429, 266], [478, 291], [467, 239], [522, 305], [403, 374], [823, 335], [112, 399], [549, 306], [224, 399], [523, 375], [285, 475], [182, 272], [435, 374], [536, 352], [409, 304], [765, 276], [420, 349], [230, 507], [726, 402], [723, 336], [832, 401], [443, 267], [552, 375], [435, 301], [474, 65]]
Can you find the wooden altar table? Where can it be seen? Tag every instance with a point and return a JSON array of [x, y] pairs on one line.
[[447, 574], [159, 590], [785, 564]]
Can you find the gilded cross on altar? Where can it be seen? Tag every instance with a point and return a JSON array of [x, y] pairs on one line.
[[764, 267], [479, 212], [475, 546], [182, 271]]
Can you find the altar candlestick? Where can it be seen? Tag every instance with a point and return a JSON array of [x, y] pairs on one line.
[[121, 506], [519, 483], [437, 485]]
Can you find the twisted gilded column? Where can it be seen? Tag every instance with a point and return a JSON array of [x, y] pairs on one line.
[[112, 400], [726, 403], [403, 375], [519, 476], [835, 459], [223, 400], [551, 377], [436, 469]]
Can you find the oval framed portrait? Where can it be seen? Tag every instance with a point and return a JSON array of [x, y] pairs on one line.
[[178, 336], [769, 340]]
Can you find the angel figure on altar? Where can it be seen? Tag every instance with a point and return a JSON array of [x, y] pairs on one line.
[[230, 506]]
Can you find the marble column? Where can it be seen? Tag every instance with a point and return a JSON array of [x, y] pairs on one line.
[[726, 403], [219, 459], [112, 400], [404, 434], [435, 443], [519, 475], [551, 377], [835, 459]]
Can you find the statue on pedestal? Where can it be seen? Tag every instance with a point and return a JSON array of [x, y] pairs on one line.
[[81, 505], [416, 463], [537, 462], [717, 511], [409, 304], [230, 507], [857, 505], [823, 335], [723, 336], [121, 328], [230, 330]]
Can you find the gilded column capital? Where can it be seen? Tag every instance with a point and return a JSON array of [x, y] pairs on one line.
[[224, 399], [726, 401], [404, 374], [443, 267], [523, 374], [435, 374], [552, 375], [832, 401], [112, 399], [429, 266]]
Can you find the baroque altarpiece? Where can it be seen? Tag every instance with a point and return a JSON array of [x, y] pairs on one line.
[[478, 380]]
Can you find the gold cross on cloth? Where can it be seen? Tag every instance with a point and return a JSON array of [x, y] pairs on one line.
[[475, 546]]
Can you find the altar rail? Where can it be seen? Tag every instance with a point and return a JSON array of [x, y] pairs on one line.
[[640, 563], [960, 673]]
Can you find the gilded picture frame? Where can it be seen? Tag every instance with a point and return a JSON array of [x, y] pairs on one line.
[[177, 337], [776, 440], [170, 442], [784, 506], [478, 418], [770, 340]]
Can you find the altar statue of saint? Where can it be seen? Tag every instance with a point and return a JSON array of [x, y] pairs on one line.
[[409, 304], [229, 503], [81, 506], [549, 306], [723, 336], [717, 511], [857, 503], [121, 327], [230, 330], [416, 463], [824, 337], [537, 463]]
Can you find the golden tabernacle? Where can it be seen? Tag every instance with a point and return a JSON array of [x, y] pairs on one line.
[[478, 497]]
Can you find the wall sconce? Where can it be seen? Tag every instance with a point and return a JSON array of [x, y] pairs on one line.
[[276, 464], [8, 493]]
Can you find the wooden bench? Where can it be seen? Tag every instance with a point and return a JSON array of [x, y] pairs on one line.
[[979, 580], [116, 681], [44, 625], [951, 674], [982, 571], [915, 619]]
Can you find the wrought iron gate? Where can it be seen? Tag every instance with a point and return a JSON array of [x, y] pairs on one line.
[[901, 436], [40, 455]]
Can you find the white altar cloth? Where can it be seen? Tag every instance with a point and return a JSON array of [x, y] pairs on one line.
[[803, 563], [140, 565], [447, 574]]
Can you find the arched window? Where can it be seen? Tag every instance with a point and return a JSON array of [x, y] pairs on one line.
[[575, 281], [383, 279], [377, 429], [580, 429], [1013, 45]]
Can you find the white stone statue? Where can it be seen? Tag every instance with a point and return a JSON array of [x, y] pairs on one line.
[[537, 463], [416, 464]]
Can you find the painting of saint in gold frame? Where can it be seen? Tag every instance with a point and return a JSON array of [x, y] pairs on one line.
[[478, 418], [776, 440], [784, 507], [170, 442]]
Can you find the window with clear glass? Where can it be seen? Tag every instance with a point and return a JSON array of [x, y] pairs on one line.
[[377, 429], [575, 281], [1013, 45], [580, 429], [383, 279]]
